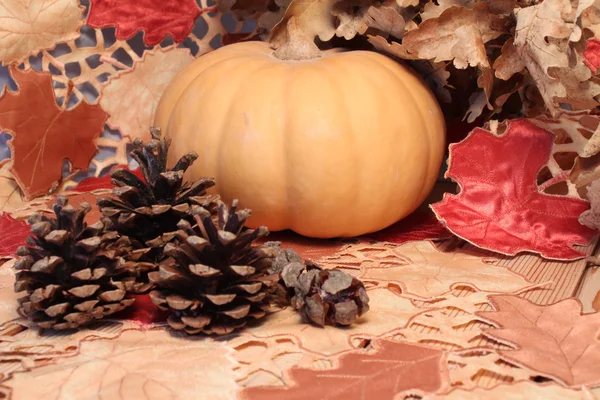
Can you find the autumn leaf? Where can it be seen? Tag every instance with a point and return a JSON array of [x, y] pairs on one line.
[[509, 62], [386, 19], [520, 390], [592, 54], [93, 184], [44, 135], [500, 207], [11, 197], [393, 368], [12, 235], [8, 297], [591, 217], [155, 364], [131, 96], [458, 34], [542, 36], [388, 312], [156, 18], [422, 270], [557, 340], [32, 25]]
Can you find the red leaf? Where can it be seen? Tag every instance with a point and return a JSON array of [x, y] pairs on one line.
[[91, 184], [591, 54], [44, 134], [157, 18], [500, 207], [417, 226], [395, 368], [12, 235]]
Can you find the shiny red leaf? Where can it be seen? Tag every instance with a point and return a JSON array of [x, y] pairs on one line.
[[103, 182], [12, 235], [500, 207], [157, 18], [591, 54]]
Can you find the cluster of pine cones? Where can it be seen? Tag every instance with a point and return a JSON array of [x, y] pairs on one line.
[[189, 249]]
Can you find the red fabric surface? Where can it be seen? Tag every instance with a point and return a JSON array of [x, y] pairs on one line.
[[500, 207], [143, 312], [592, 54], [157, 18], [90, 184], [12, 235], [417, 226]]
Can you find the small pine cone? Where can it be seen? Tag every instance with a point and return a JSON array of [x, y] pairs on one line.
[[324, 295], [144, 209], [70, 270], [215, 279]]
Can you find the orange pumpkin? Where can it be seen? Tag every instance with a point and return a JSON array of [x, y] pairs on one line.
[[335, 146]]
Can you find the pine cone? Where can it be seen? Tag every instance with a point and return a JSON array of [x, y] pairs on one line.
[[70, 270], [145, 209], [324, 296], [214, 280]]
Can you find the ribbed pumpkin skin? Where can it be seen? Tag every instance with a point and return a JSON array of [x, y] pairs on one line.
[[339, 146]]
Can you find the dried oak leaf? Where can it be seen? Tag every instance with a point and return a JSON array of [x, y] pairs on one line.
[[509, 62], [422, 270], [500, 207], [458, 34], [395, 367], [591, 217], [156, 18], [352, 16], [557, 340], [385, 19], [131, 96], [520, 390], [45, 134], [154, 364], [542, 37], [388, 312], [32, 25], [12, 235]]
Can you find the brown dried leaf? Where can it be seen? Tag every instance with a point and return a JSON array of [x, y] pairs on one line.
[[387, 20], [393, 48], [591, 217], [131, 96], [542, 37], [388, 312], [352, 17], [509, 63], [433, 10], [458, 34], [154, 364], [30, 26]]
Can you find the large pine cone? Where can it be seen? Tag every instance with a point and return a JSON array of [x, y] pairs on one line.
[[215, 279], [70, 270], [144, 209]]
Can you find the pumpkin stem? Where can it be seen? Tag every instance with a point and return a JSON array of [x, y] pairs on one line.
[[297, 46]]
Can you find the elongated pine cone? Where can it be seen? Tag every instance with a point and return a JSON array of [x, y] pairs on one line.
[[215, 278], [144, 209], [70, 270], [324, 296]]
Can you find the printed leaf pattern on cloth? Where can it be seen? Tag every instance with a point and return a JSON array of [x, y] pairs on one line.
[[12, 235], [393, 368], [557, 340], [32, 25], [388, 311], [422, 270], [44, 134], [131, 96], [521, 390], [500, 207], [135, 365], [156, 18], [8, 297]]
